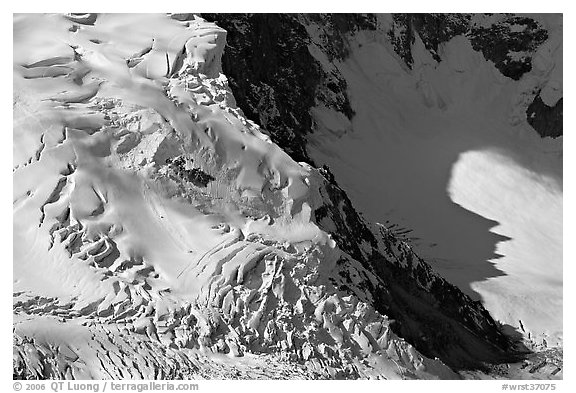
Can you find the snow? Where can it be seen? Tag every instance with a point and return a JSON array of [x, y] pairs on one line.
[[529, 210], [154, 227], [442, 150], [124, 267]]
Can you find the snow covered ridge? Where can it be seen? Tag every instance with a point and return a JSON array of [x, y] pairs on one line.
[[158, 233]]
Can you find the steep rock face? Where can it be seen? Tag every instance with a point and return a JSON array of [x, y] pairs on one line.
[[509, 42], [274, 77], [547, 120], [277, 40], [433, 30], [332, 31]]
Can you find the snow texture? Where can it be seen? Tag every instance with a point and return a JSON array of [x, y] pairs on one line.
[[160, 234]]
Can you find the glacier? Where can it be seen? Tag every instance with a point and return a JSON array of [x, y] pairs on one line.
[[159, 233]]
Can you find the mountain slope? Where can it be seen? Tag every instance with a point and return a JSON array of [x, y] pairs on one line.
[[159, 233], [433, 124]]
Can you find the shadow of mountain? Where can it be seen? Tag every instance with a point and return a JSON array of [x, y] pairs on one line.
[[474, 237], [406, 184], [441, 323], [517, 339]]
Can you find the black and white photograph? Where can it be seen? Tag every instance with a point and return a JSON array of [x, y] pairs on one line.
[[286, 196]]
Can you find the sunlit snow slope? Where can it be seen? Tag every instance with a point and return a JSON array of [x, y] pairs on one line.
[[160, 234], [444, 150]]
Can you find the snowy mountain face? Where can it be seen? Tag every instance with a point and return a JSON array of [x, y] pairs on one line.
[[444, 127], [172, 220]]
